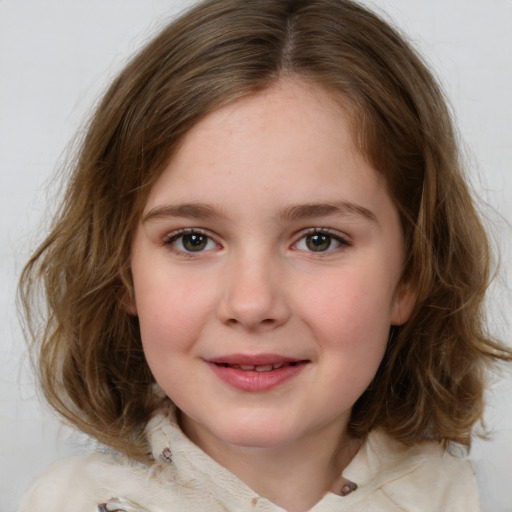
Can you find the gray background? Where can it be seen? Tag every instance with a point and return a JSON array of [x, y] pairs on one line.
[[56, 56]]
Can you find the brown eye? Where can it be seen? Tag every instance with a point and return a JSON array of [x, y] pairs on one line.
[[321, 241], [318, 242], [194, 242], [191, 241]]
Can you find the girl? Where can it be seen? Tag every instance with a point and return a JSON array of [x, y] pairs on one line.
[[264, 287]]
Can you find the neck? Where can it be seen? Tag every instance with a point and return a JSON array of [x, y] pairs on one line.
[[295, 476]]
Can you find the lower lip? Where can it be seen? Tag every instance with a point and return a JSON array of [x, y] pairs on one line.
[[251, 380]]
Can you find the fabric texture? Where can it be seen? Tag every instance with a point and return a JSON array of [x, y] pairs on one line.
[[389, 477]]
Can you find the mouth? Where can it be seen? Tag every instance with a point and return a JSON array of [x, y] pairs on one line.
[[256, 372], [260, 367]]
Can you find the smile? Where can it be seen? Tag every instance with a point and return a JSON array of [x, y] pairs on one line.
[[256, 373], [258, 368]]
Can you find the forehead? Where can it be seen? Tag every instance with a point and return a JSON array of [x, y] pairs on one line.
[[291, 105], [291, 144]]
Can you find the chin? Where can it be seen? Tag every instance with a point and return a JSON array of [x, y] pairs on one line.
[[261, 435]]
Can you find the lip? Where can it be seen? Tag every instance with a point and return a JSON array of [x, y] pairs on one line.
[[252, 359], [251, 380]]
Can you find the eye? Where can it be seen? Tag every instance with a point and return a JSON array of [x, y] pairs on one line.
[[191, 241], [320, 241]]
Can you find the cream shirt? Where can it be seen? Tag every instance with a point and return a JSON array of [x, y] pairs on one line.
[[389, 476]]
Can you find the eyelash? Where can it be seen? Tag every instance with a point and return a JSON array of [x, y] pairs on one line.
[[172, 238], [342, 240]]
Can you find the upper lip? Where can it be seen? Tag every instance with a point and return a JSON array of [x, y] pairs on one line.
[[253, 359]]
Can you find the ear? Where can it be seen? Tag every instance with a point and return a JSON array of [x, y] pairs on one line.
[[403, 303], [128, 303], [131, 309]]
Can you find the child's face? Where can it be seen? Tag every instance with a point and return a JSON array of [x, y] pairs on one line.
[[268, 240]]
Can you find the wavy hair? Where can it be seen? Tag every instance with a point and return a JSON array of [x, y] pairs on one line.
[[91, 364]]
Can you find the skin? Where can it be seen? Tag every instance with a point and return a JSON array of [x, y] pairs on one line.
[[248, 175]]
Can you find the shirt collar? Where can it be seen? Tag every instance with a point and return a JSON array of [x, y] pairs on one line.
[[380, 460]]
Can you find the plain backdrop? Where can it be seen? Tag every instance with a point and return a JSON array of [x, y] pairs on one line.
[[57, 56]]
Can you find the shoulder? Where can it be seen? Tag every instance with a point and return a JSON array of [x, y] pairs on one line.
[[83, 483], [430, 476]]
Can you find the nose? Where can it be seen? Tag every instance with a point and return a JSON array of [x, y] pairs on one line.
[[254, 294]]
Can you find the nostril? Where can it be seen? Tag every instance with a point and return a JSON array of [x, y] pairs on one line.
[[265, 321]]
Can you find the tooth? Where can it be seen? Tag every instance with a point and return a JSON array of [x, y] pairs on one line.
[[247, 366], [277, 366], [264, 368]]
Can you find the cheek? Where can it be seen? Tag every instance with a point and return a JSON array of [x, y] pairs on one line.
[[351, 306], [172, 311], [351, 324]]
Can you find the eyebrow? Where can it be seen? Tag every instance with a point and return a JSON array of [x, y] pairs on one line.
[[295, 212], [342, 209], [187, 210]]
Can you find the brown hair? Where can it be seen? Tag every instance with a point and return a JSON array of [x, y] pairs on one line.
[[92, 368]]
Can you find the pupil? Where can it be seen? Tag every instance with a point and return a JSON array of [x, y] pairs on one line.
[[318, 242], [194, 242]]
